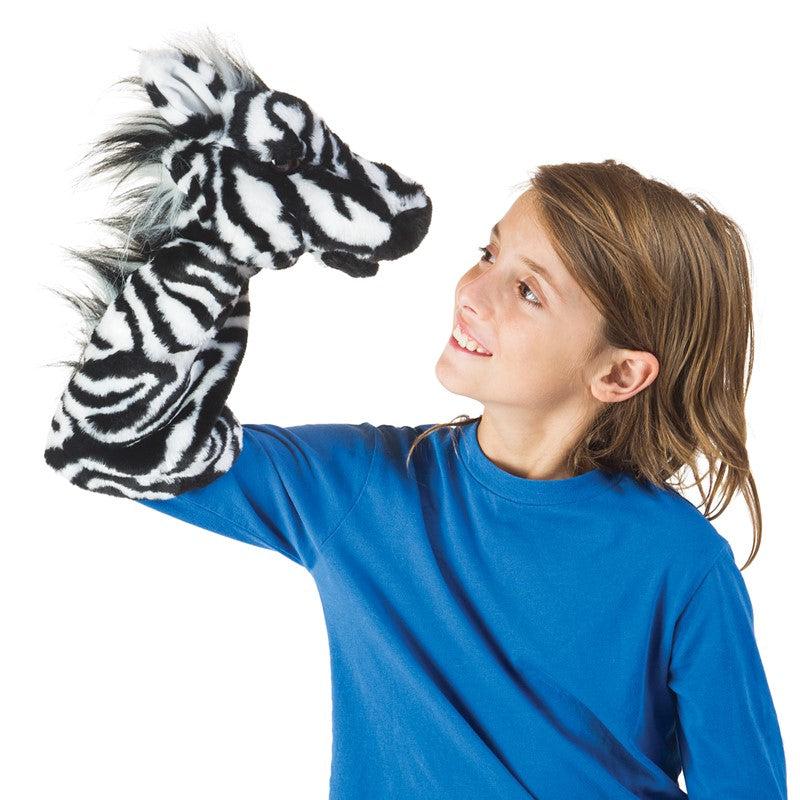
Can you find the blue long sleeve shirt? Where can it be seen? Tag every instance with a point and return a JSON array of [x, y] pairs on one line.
[[494, 636]]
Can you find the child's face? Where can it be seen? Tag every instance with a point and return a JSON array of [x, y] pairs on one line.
[[539, 359]]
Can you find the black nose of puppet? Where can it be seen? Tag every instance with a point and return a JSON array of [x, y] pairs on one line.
[[408, 230]]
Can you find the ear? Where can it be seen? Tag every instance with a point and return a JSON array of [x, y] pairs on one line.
[[180, 85]]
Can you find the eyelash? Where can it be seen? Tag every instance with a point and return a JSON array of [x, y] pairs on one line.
[[535, 303]]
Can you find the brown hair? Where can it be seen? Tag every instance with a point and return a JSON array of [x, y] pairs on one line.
[[670, 275]]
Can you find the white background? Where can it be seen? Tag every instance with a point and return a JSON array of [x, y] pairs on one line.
[[143, 657]]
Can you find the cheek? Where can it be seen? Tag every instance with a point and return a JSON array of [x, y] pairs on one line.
[[536, 343], [522, 343]]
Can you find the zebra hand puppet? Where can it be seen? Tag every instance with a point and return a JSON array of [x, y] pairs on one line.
[[239, 177]]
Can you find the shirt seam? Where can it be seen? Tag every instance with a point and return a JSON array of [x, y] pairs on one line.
[[339, 524], [696, 589], [521, 501], [465, 459], [710, 569]]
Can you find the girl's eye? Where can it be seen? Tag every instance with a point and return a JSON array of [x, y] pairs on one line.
[[484, 251], [520, 285], [524, 286]]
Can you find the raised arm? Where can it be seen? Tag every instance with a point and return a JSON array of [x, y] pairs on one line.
[[241, 178]]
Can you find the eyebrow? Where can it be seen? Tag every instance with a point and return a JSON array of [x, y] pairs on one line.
[[531, 264]]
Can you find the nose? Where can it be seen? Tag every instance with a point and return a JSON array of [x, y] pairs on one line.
[[408, 230], [469, 313], [471, 301]]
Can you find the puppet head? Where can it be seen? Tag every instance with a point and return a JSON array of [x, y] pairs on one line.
[[251, 172], [262, 177]]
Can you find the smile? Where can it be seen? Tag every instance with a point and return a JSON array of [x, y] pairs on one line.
[[466, 343]]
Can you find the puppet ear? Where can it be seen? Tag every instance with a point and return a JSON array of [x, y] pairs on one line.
[[180, 85]]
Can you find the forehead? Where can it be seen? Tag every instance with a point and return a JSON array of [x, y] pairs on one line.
[[524, 224]]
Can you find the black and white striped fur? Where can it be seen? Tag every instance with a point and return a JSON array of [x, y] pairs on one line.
[[237, 177]]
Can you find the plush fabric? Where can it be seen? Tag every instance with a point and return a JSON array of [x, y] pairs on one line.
[[238, 178]]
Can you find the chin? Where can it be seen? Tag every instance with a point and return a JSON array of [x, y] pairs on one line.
[[454, 380]]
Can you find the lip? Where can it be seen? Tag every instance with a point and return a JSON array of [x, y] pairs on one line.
[[453, 342], [461, 324]]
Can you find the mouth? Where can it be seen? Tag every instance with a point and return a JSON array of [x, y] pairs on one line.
[[453, 342], [462, 339]]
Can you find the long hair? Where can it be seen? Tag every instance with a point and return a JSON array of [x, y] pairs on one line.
[[670, 275]]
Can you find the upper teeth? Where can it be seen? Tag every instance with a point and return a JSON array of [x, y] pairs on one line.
[[465, 341]]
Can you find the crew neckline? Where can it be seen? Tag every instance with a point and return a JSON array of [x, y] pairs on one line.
[[528, 490]]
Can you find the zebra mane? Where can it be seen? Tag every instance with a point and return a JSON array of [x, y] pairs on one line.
[[145, 213]]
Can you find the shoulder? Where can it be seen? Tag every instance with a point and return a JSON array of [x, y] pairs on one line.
[[665, 506], [670, 545], [393, 442], [337, 440], [354, 446], [669, 527], [331, 457]]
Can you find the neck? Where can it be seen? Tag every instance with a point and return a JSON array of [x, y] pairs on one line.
[[535, 448]]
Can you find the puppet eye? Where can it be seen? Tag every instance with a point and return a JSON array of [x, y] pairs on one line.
[[289, 166], [288, 159]]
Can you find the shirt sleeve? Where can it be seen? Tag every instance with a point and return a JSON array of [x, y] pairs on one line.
[[288, 489], [727, 727]]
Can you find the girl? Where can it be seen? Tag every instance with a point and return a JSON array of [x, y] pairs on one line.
[[520, 605]]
